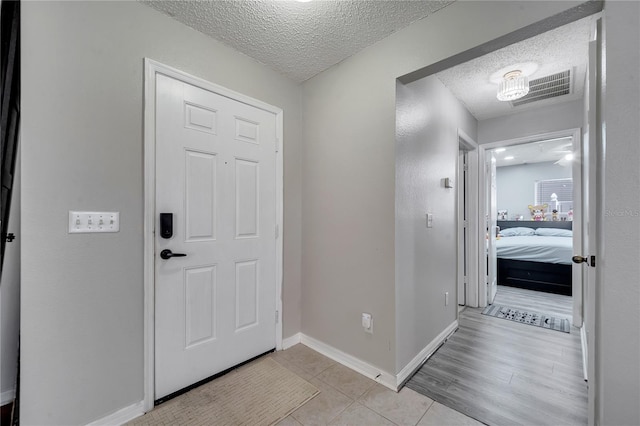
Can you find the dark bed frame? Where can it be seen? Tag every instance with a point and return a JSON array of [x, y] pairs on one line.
[[547, 277]]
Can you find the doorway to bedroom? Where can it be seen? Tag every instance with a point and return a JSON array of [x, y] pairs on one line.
[[534, 203]]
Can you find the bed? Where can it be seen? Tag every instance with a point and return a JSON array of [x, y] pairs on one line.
[[535, 255]]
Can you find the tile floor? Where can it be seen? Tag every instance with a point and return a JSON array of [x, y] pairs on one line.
[[349, 398]]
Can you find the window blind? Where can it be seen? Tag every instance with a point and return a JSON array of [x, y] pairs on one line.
[[563, 188]]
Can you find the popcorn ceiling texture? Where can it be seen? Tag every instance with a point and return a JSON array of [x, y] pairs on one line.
[[298, 39], [564, 48], [301, 40]]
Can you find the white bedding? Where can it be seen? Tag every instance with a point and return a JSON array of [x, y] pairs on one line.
[[536, 248]]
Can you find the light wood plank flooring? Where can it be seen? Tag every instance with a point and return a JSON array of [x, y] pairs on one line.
[[505, 373]]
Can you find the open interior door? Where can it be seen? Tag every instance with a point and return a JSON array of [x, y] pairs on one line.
[[463, 234], [492, 229], [593, 159], [579, 169]]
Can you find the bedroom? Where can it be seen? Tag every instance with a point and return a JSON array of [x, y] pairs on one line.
[[535, 211]]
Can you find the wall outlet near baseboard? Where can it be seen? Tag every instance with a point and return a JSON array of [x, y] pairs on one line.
[[367, 322]]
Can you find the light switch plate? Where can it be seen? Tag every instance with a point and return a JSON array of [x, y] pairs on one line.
[[89, 222]]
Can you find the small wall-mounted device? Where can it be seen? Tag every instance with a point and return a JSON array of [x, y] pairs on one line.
[[166, 225], [448, 183]]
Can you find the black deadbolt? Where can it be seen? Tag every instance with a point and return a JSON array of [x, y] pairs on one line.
[[166, 225]]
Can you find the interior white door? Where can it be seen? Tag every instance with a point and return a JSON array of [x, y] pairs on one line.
[[579, 219], [215, 173], [592, 183], [492, 230], [462, 227]]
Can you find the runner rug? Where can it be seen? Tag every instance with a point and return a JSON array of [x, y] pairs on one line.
[[526, 317]]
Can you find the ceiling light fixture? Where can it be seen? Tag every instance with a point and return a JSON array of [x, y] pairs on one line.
[[501, 150], [514, 85], [511, 157]]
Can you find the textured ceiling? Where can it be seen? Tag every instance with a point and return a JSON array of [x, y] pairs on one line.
[[298, 39], [474, 82], [534, 152]]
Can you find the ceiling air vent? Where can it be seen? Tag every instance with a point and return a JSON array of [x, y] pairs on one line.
[[547, 87]]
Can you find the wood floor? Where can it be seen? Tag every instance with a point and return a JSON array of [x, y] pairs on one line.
[[505, 373]]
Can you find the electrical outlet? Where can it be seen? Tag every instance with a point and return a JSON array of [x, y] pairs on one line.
[[367, 322]]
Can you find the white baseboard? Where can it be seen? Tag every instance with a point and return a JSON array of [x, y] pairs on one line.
[[7, 396], [585, 354], [368, 370], [121, 416], [291, 341], [424, 354]]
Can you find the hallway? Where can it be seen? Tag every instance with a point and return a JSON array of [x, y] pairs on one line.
[[505, 373]]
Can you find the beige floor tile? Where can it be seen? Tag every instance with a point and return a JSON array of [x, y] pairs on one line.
[[403, 408], [440, 415], [322, 408], [347, 381], [288, 421], [289, 365], [308, 359], [357, 414]]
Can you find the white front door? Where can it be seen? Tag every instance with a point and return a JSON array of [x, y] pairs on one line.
[[216, 176]]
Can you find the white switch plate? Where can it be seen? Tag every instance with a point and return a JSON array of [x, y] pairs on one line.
[[429, 220], [85, 222]]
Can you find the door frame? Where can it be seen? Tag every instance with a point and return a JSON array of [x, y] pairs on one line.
[[576, 135], [467, 144], [151, 69]]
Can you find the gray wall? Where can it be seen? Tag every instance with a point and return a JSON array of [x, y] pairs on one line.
[[82, 128], [515, 185], [427, 123], [82, 147], [531, 122], [10, 299], [618, 369], [348, 240]]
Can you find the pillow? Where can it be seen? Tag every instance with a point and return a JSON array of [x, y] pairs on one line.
[[554, 232], [518, 231]]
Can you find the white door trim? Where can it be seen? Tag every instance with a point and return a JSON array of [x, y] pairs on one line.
[[473, 276], [151, 68], [482, 208]]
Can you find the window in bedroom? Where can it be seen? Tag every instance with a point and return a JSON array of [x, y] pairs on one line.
[[563, 190]]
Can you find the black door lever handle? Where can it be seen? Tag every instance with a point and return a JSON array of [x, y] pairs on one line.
[[168, 254]]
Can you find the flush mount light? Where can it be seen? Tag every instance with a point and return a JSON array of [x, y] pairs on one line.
[[511, 157], [514, 85], [498, 150]]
